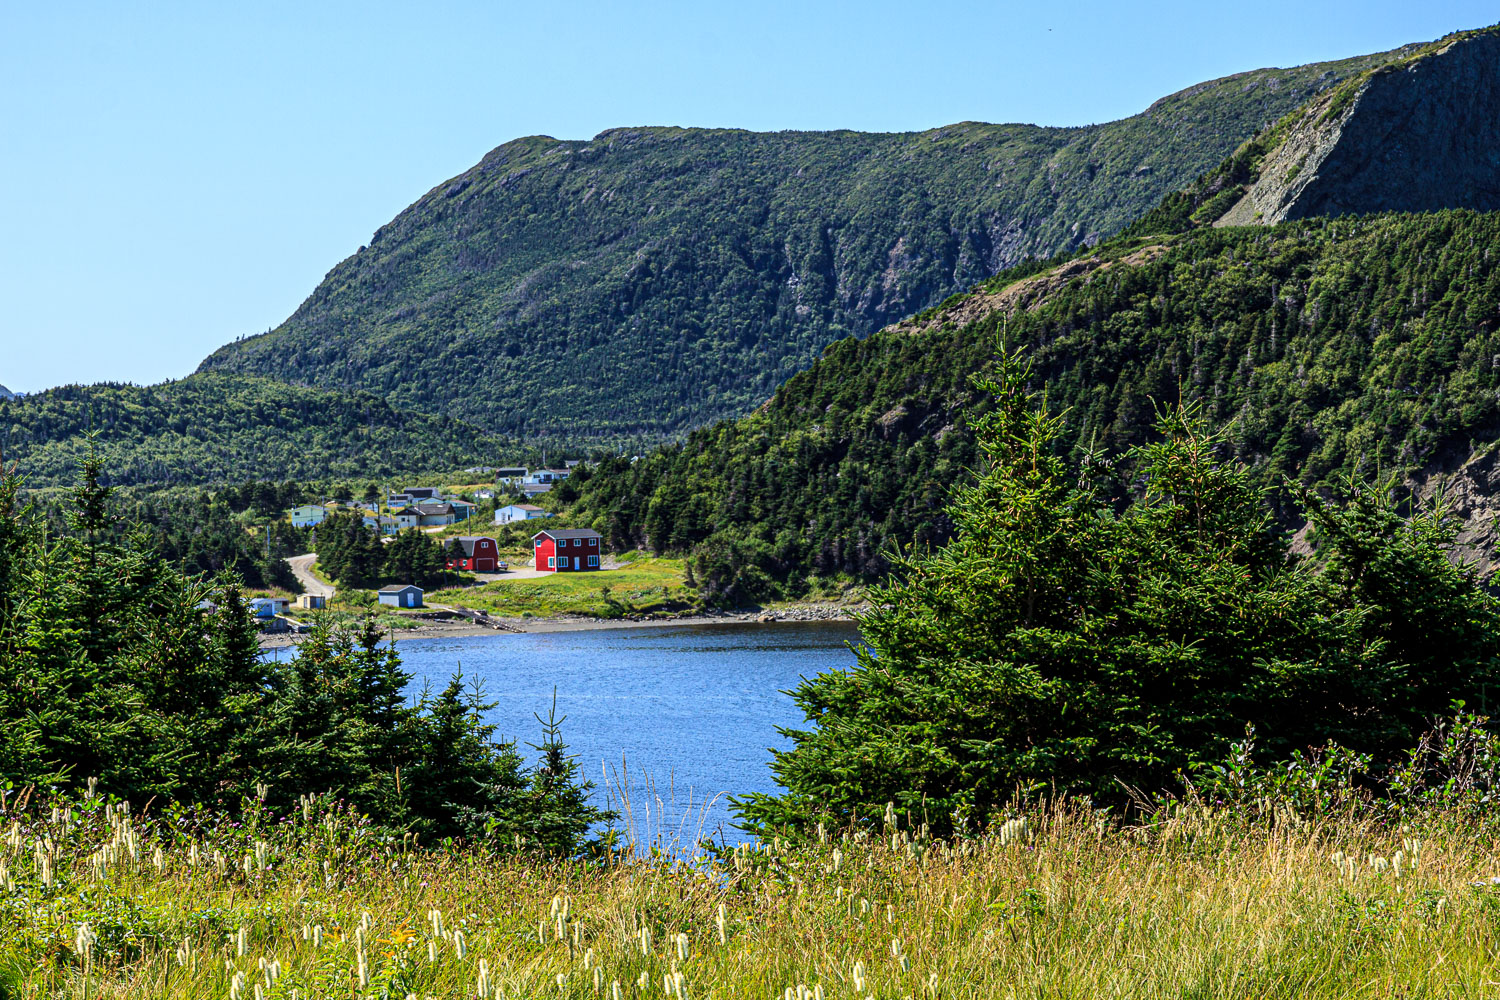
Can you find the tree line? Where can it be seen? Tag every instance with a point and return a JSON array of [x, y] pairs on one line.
[[118, 666]]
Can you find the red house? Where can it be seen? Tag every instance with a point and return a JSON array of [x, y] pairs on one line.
[[570, 550], [477, 553]]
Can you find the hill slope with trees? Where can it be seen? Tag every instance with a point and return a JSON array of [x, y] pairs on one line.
[[1323, 347], [226, 428], [651, 280]]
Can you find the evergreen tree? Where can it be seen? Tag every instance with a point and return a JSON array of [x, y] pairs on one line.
[[1070, 640]]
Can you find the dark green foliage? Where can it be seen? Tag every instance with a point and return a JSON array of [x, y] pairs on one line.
[[227, 428], [653, 279], [1322, 347], [113, 670], [200, 534], [116, 665], [550, 811], [354, 555], [1067, 639]]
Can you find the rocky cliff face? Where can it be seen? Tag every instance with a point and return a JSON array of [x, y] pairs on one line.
[[1415, 135]]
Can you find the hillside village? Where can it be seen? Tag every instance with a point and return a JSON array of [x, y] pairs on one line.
[[466, 540]]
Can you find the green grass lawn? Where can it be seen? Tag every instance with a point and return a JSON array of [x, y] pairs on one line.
[[643, 584]]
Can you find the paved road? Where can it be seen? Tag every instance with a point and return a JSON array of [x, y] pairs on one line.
[[310, 583]]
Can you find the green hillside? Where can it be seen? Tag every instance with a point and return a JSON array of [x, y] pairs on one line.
[[223, 428], [1323, 347], [654, 279]]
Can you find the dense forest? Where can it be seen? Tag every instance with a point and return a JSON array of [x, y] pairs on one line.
[[356, 555], [1324, 347], [651, 280], [228, 428]]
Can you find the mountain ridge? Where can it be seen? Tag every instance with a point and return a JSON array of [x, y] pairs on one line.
[[652, 279]]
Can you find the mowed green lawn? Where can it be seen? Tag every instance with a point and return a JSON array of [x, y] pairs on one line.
[[642, 584]]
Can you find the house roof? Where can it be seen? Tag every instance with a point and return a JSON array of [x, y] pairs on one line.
[[428, 509], [520, 506], [570, 533], [469, 541], [400, 588]]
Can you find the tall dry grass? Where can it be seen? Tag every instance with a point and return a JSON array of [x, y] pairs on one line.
[[98, 902]]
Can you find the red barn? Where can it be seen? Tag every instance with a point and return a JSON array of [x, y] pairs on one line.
[[477, 553], [570, 550]]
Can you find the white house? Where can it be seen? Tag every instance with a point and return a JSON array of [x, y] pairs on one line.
[[430, 514], [546, 477], [519, 512], [401, 595], [307, 516], [406, 518]]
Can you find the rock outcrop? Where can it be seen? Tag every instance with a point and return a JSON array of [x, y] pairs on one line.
[[1415, 135]]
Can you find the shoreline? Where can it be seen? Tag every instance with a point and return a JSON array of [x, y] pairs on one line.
[[463, 629]]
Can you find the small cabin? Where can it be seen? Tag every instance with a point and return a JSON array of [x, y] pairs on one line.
[[405, 595], [567, 550], [312, 602]]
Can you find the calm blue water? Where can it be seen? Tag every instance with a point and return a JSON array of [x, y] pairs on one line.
[[677, 717]]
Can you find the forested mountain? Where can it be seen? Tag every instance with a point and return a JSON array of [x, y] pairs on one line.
[[222, 428], [1323, 347], [651, 280]]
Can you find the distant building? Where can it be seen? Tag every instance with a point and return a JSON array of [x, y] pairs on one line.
[[269, 607], [462, 509], [570, 550], [476, 552], [532, 489], [484, 494], [433, 514], [511, 474], [401, 595], [404, 518], [312, 602], [421, 492], [307, 516], [519, 512]]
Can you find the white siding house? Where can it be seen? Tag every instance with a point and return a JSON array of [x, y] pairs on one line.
[[519, 512]]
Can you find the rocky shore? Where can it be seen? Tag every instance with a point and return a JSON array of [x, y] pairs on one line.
[[458, 627]]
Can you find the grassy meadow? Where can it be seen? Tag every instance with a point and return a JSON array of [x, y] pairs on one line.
[[641, 585], [100, 901]]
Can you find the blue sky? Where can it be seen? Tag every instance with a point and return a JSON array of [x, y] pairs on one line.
[[175, 175]]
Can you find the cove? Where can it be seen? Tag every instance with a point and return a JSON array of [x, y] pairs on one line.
[[691, 711]]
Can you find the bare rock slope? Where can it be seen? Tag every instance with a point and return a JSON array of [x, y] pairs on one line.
[[1414, 135]]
